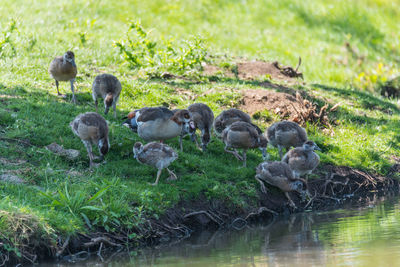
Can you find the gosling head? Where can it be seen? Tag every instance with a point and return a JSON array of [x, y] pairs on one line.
[[69, 56], [310, 146], [108, 101], [301, 188], [137, 149], [104, 147]]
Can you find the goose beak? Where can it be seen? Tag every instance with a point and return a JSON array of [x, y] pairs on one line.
[[130, 123], [317, 148]]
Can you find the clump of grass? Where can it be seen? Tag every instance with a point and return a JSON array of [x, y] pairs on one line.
[[6, 43], [139, 51]]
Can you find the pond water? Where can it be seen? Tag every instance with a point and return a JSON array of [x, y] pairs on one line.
[[365, 236]]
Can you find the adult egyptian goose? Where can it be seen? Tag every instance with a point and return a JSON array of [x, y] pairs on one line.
[[108, 87], [157, 155], [203, 118], [159, 123], [92, 128], [227, 117], [280, 175], [243, 135], [286, 134], [63, 68], [302, 160]]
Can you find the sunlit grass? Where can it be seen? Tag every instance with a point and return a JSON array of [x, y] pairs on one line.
[[366, 126]]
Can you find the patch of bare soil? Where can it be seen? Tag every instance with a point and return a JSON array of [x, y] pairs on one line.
[[287, 106], [254, 69], [251, 70], [211, 70]]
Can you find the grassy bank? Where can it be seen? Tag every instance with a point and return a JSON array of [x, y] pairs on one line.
[[61, 197]]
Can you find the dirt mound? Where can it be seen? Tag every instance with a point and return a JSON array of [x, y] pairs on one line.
[[287, 106], [255, 69], [250, 70]]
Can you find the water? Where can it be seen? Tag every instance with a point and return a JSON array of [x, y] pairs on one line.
[[366, 236]]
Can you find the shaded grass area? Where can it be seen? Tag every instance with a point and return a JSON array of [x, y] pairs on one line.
[[64, 198]]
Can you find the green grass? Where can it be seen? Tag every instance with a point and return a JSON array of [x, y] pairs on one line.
[[366, 132]]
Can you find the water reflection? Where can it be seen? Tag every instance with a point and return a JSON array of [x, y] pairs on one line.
[[367, 236]]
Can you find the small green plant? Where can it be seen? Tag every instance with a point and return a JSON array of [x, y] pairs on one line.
[[76, 203], [139, 51], [82, 38], [5, 40]]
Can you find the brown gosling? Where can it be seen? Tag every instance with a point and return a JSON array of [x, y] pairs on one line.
[[108, 87], [203, 118], [63, 68], [157, 155], [243, 135], [159, 124], [302, 160], [92, 128], [280, 175], [227, 117], [286, 134]]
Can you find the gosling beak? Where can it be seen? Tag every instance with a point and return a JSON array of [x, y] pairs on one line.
[[317, 148]]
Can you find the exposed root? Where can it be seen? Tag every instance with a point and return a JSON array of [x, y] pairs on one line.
[[307, 112], [215, 219], [101, 239]]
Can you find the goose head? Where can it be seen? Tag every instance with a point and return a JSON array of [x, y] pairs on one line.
[[300, 187], [137, 149], [108, 101], [131, 121], [310, 146], [69, 56], [262, 145], [104, 146]]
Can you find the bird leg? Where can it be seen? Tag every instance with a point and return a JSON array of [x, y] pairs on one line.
[[280, 151], [290, 200], [115, 108], [88, 146], [193, 136], [72, 89], [96, 103], [235, 153], [172, 176], [263, 188], [158, 177], [58, 92], [244, 158], [180, 141]]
